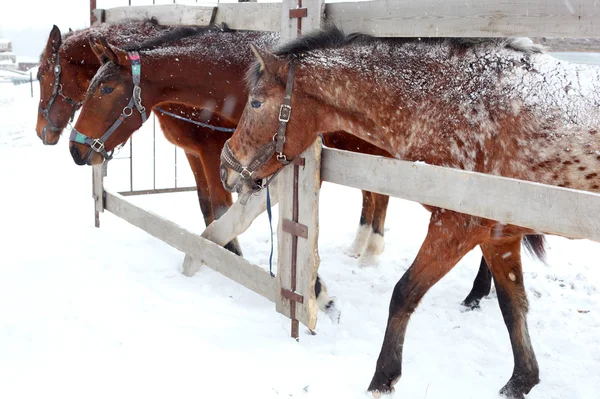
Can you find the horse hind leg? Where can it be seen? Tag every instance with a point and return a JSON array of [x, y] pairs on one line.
[[327, 304], [448, 239], [504, 260], [364, 227], [482, 286], [376, 242]]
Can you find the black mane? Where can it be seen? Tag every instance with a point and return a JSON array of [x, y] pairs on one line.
[[174, 35]]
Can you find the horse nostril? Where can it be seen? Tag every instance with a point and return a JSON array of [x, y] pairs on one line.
[[77, 156]]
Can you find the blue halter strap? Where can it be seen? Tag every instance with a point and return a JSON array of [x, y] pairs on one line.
[[135, 101]]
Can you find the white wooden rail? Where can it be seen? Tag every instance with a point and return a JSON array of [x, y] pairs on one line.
[[399, 18], [544, 208]]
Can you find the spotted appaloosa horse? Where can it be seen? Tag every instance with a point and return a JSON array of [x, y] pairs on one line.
[[493, 106]]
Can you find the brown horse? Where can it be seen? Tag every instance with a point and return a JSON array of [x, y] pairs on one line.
[[490, 105], [66, 69], [62, 92], [212, 49]]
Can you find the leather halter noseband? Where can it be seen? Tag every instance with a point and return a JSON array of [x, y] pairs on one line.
[[56, 91], [97, 145], [229, 160]]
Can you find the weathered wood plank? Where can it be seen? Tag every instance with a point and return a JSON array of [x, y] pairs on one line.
[[239, 217], [250, 16], [168, 14], [544, 208], [199, 249], [456, 18], [309, 181]]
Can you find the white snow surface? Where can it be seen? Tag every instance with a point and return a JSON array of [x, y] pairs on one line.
[[106, 313]]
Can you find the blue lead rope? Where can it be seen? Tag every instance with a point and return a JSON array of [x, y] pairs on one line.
[[271, 226]]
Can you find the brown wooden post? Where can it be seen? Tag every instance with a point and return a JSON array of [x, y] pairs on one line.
[[92, 8]]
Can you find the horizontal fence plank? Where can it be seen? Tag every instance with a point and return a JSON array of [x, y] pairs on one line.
[[398, 18], [541, 207], [168, 14], [456, 18], [217, 258], [250, 16]]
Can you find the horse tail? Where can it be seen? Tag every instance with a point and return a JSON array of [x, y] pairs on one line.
[[535, 245]]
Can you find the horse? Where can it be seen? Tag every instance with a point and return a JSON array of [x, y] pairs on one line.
[[207, 51], [67, 66], [496, 106]]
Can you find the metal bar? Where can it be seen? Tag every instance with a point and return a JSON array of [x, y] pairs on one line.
[[153, 149], [175, 167], [292, 296], [92, 8], [131, 164], [157, 191], [295, 228], [31, 82], [295, 323]]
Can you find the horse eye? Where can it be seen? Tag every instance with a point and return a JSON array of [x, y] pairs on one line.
[[106, 90], [256, 104]]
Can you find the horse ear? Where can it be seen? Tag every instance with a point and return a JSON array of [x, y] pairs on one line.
[[55, 39], [264, 58], [106, 52], [70, 30]]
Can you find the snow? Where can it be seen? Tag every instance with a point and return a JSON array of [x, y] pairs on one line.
[[106, 312]]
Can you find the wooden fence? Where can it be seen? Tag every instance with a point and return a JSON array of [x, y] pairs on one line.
[[540, 207]]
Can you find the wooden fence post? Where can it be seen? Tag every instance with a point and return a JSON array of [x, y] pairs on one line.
[[300, 16], [98, 173], [297, 238]]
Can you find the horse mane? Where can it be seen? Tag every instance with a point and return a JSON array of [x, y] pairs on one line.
[[333, 37], [176, 34]]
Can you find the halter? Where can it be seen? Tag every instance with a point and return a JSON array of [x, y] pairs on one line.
[[56, 91], [135, 100], [229, 160]]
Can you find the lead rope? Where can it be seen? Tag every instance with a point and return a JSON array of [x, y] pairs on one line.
[[269, 213]]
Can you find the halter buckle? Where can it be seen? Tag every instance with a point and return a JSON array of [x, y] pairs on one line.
[[281, 158], [247, 174], [285, 112], [97, 145]]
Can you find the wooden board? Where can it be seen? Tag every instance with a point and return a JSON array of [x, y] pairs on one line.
[[199, 249], [307, 253], [541, 207], [400, 18], [456, 18], [250, 16], [315, 12], [168, 14], [239, 217]]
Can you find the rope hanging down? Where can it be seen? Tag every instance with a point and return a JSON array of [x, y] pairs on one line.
[[217, 128]]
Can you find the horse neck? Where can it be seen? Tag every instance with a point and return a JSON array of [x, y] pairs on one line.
[[82, 62], [209, 75]]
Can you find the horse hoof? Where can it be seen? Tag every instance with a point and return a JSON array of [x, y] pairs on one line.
[[471, 304], [352, 252], [234, 246], [333, 311], [518, 387]]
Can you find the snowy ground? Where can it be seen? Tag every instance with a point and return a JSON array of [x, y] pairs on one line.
[[106, 313]]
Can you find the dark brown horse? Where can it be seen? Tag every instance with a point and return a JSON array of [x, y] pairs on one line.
[[66, 69], [197, 80], [493, 106]]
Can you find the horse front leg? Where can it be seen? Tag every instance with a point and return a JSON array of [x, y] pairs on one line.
[[504, 258], [201, 187], [449, 238], [220, 199]]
